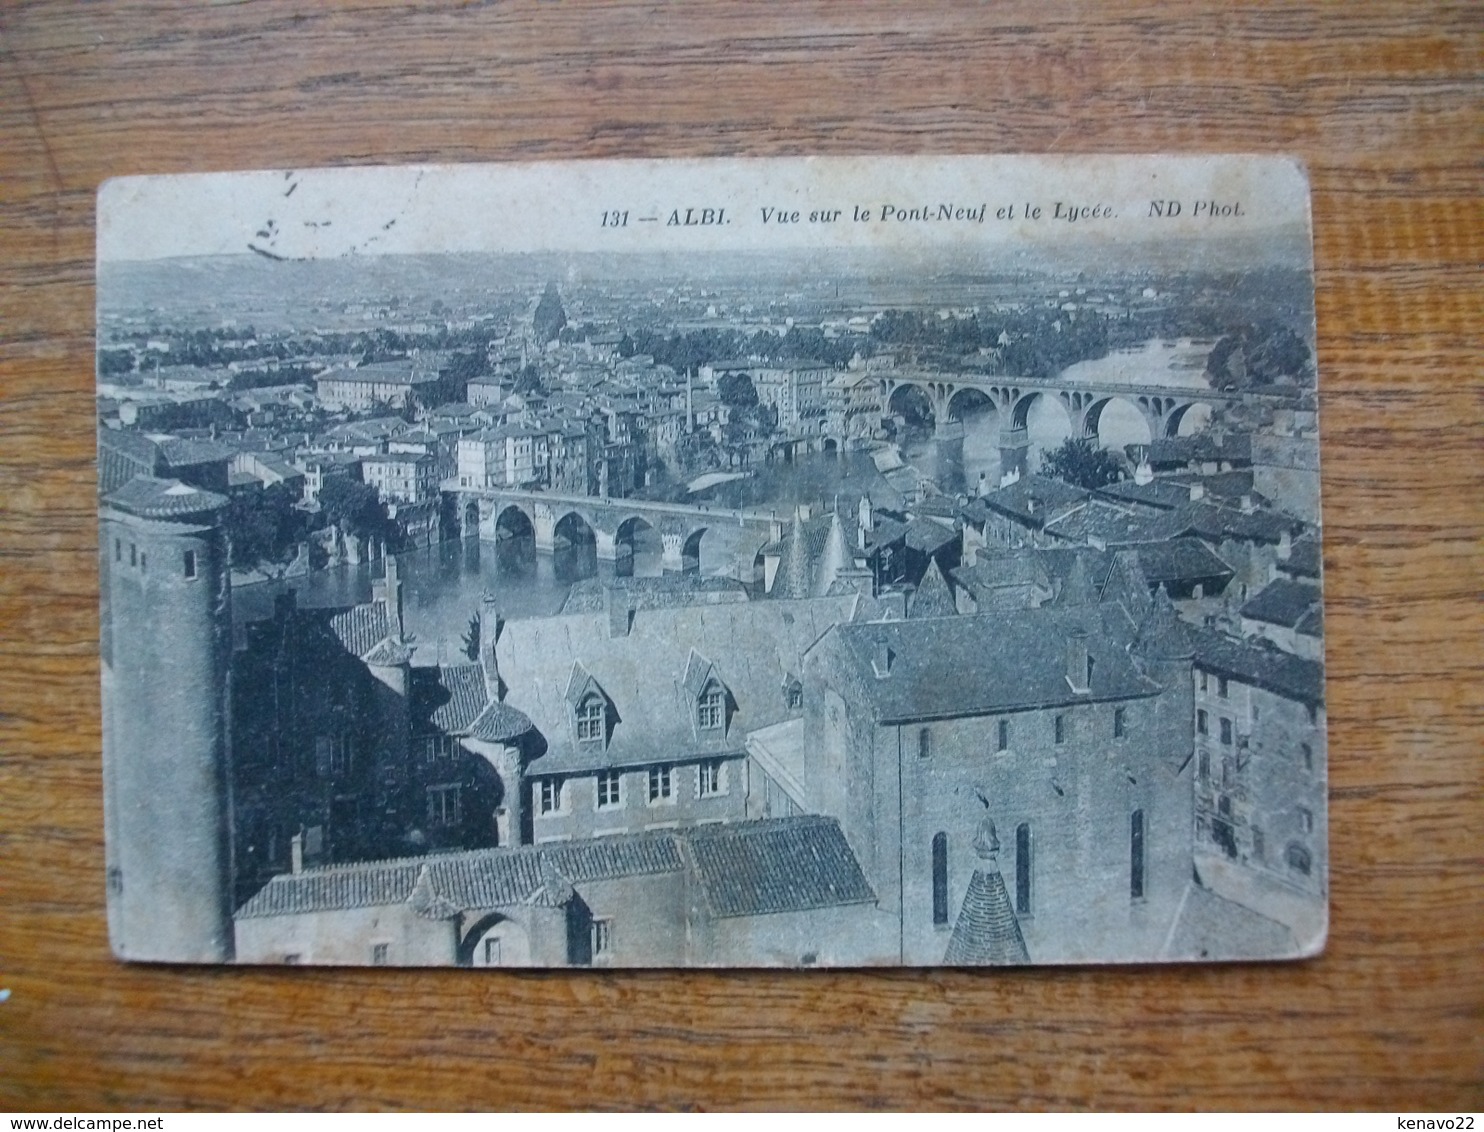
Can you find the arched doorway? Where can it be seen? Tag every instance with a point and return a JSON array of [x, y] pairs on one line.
[[515, 543], [469, 520], [495, 940], [574, 550]]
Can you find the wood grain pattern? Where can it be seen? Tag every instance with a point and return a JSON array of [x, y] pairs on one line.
[[1383, 102]]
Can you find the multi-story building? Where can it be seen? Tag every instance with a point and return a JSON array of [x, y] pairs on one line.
[[1261, 758], [391, 385], [404, 477], [1038, 806]]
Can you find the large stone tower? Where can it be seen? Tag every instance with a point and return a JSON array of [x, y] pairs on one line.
[[166, 647]]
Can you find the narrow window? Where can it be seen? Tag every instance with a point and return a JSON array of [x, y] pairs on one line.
[[1221, 687], [143, 561], [940, 878], [1204, 680], [661, 784], [1257, 846], [492, 952], [1023, 869], [118, 550], [1204, 766], [1202, 722], [1308, 755], [190, 564], [1004, 735], [602, 938], [924, 743], [1306, 819], [710, 779], [1061, 729], [1226, 730], [1136, 855], [610, 790], [1313, 715], [380, 953], [1120, 719], [133, 554], [550, 790]]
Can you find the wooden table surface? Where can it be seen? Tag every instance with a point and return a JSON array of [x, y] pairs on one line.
[[1382, 100]]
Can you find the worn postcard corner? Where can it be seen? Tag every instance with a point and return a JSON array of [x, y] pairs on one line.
[[800, 562]]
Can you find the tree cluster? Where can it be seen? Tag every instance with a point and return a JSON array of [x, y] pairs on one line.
[[1079, 461]]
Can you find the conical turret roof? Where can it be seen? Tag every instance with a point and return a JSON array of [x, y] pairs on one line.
[[933, 597]]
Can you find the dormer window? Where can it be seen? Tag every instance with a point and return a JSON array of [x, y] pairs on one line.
[[711, 708], [592, 720]]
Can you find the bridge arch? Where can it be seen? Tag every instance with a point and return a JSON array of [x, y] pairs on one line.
[[913, 402], [970, 399], [1117, 422], [1189, 418], [575, 545], [1038, 420], [690, 551], [637, 547]]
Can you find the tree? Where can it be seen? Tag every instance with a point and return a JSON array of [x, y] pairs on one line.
[[736, 390], [1081, 462], [1265, 354], [529, 381], [263, 526], [354, 507], [471, 638]]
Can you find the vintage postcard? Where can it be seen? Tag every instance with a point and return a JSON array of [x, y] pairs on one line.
[[909, 561]]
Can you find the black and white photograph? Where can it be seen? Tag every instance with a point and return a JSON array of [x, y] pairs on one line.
[[713, 563]]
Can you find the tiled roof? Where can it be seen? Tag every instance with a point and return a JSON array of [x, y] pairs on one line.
[[362, 627], [499, 723], [744, 869], [1283, 601], [640, 672], [588, 596], [480, 878], [449, 697], [787, 865], [184, 451], [928, 537], [1180, 560], [933, 597], [1262, 665], [986, 663], [389, 654], [152, 498], [987, 932], [1033, 498], [1305, 557]]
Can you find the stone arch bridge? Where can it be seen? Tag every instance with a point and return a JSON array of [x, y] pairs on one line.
[[613, 523], [1163, 407]]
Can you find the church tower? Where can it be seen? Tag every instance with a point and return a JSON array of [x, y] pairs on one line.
[[166, 636]]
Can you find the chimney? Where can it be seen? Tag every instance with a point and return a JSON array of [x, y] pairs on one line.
[[866, 517], [296, 853], [1197, 492], [620, 612], [1079, 663], [389, 592], [1285, 545], [1247, 505], [489, 636], [1144, 473], [881, 659]]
